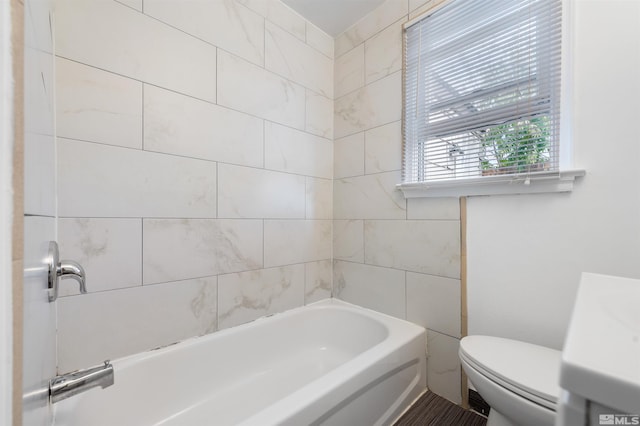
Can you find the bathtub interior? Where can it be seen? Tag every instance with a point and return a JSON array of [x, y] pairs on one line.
[[231, 375]]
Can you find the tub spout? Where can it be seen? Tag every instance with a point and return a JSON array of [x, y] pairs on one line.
[[67, 385]]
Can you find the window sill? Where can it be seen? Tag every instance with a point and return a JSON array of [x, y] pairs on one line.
[[534, 183]]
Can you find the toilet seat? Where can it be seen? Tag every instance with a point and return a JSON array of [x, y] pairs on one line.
[[528, 370]]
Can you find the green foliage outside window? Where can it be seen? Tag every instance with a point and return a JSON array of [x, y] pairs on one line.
[[517, 147]]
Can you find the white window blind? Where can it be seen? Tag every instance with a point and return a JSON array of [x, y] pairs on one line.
[[482, 91]]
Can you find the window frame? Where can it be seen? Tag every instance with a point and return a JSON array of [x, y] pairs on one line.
[[561, 180]]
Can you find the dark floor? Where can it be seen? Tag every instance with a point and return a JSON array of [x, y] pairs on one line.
[[433, 410]]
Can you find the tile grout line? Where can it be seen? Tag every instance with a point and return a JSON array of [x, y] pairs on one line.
[[217, 72], [142, 251], [403, 18], [207, 100], [351, 92], [217, 192], [364, 245], [143, 117], [364, 154], [159, 283], [406, 297], [264, 43], [183, 218], [217, 304], [197, 159], [396, 269]]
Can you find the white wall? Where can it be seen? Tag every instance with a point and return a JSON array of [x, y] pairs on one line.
[[526, 253], [195, 167]]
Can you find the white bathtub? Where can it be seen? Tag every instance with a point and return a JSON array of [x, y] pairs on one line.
[[327, 363]]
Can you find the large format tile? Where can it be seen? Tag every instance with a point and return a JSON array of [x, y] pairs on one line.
[[380, 289], [320, 40], [429, 247], [296, 241], [268, 96], [349, 71], [434, 303], [177, 249], [245, 192], [319, 204], [285, 17], [383, 148], [373, 105], [348, 240], [179, 124], [369, 197], [297, 61], [97, 180], [319, 115], [134, 4], [318, 281], [114, 37], [110, 251], [97, 106], [113, 324], [223, 23], [245, 296], [280, 14], [348, 154], [383, 53], [381, 17], [294, 151], [443, 366]]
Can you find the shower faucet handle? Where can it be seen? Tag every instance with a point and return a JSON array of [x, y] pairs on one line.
[[63, 269]]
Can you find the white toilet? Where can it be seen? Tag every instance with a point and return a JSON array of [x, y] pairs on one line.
[[518, 380]]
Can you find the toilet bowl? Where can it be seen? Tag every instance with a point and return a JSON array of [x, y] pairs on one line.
[[518, 380]]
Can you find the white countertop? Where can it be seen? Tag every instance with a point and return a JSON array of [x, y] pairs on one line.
[[601, 355]]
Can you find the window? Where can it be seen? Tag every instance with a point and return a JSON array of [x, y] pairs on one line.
[[482, 97]]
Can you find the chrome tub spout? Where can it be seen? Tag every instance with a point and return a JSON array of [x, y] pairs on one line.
[[67, 385]]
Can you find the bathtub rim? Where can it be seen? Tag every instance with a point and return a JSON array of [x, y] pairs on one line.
[[399, 334], [328, 303]]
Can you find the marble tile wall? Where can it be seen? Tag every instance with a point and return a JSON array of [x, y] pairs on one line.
[[397, 256], [224, 167], [195, 169]]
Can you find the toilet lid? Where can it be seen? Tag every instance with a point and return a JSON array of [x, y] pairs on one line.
[[525, 368]]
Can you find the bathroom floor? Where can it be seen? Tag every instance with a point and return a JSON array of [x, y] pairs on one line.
[[433, 410]]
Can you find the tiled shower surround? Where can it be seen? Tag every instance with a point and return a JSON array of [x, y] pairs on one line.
[[195, 169], [202, 184]]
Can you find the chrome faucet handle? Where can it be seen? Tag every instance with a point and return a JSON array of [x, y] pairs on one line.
[[63, 269], [73, 270]]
